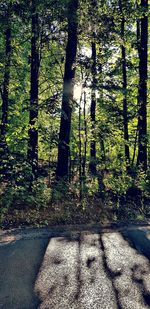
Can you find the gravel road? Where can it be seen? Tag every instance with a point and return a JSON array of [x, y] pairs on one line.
[[75, 268]]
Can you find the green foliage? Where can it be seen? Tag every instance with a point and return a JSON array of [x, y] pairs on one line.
[[19, 186], [61, 190], [23, 195], [119, 183]]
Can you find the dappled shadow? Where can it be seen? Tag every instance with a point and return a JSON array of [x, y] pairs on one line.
[[110, 273], [133, 284], [138, 275], [97, 270], [81, 280], [77, 270], [90, 261], [139, 239], [21, 256]]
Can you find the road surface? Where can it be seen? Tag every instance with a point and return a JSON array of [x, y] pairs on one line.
[[75, 268]]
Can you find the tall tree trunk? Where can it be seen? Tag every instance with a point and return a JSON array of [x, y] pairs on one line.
[[142, 112], [138, 36], [68, 87], [124, 83], [33, 115], [101, 137], [85, 137], [80, 149], [5, 90], [93, 110], [5, 99]]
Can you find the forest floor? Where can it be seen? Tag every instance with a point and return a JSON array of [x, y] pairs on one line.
[[70, 212], [40, 207], [76, 267]]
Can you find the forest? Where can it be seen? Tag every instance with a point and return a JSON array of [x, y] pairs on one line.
[[74, 111]]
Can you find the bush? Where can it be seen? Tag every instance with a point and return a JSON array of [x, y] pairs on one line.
[[14, 195]]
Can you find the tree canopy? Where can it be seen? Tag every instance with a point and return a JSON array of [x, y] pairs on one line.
[[74, 109]]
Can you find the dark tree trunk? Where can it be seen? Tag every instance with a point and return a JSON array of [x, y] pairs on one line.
[[101, 138], [5, 102], [33, 115], [5, 90], [142, 112], [85, 136], [80, 150], [138, 49], [124, 84], [93, 110], [68, 87]]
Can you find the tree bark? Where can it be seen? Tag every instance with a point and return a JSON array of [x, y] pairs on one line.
[[68, 87], [142, 91], [93, 110], [5, 100], [85, 137], [124, 84], [138, 49], [80, 150], [101, 137], [5, 91], [33, 114]]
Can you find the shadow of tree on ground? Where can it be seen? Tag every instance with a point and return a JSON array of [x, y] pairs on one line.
[[77, 270]]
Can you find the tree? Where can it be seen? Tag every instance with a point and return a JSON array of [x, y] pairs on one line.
[[68, 86], [92, 165], [142, 112], [93, 109], [33, 113], [124, 83], [5, 89], [46, 44]]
